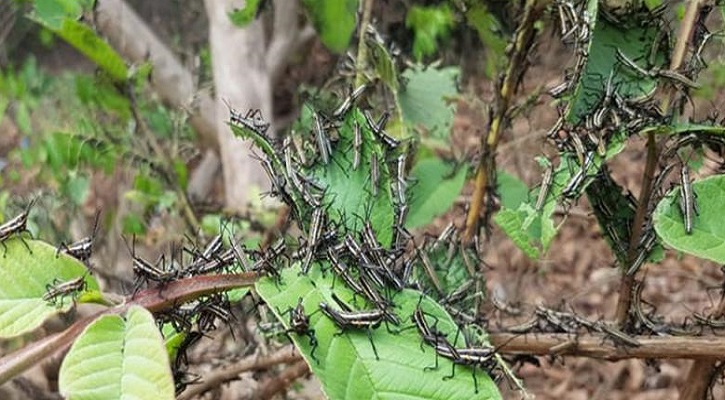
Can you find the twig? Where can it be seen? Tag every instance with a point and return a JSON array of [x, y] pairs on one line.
[[489, 142], [153, 299], [599, 346], [283, 356], [278, 384], [625, 288], [361, 61]]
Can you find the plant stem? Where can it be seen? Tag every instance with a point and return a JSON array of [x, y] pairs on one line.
[[516, 68], [643, 208], [701, 348], [230, 373], [361, 62]]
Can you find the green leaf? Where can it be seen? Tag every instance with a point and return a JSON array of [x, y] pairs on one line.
[[118, 358], [635, 40], [182, 173], [334, 21], [347, 366], [512, 190], [384, 65], [489, 32], [242, 17], [708, 234], [77, 187], [133, 225], [52, 13], [85, 40], [26, 279], [348, 195], [438, 185], [452, 269], [423, 100], [429, 24], [22, 118], [517, 225]]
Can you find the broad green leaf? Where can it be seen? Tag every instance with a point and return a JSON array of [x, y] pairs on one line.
[[351, 193], [243, 16], [635, 40], [347, 366], [708, 234], [334, 20], [27, 277], [437, 187], [424, 100], [429, 24], [118, 358], [86, 41]]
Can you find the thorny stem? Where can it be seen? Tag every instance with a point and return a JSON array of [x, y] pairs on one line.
[[489, 142], [625, 288], [283, 356], [362, 48]]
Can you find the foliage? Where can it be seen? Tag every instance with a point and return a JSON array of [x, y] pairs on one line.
[[429, 25], [349, 179]]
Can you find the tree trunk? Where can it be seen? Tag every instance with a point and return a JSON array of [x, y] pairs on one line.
[[242, 79]]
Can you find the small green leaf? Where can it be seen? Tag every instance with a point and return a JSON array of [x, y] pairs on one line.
[[133, 225], [334, 20], [489, 32], [517, 226], [429, 24], [438, 186], [86, 41], [118, 358], [22, 118], [708, 234], [77, 187], [512, 190], [182, 173], [52, 13], [243, 16], [26, 278], [423, 100]]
